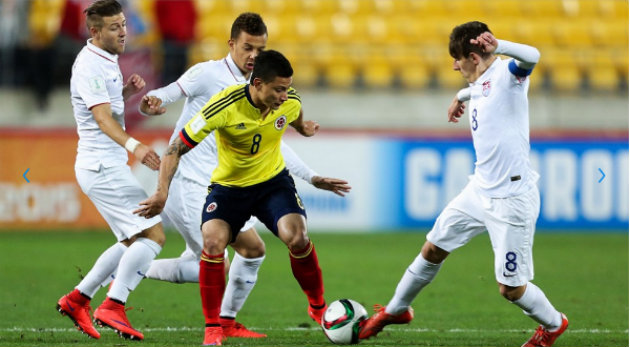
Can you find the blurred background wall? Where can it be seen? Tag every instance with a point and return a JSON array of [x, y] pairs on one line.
[[375, 74]]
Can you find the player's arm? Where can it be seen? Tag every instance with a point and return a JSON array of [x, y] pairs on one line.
[[155, 204], [134, 84], [307, 128], [108, 125], [457, 107], [152, 104], [299, 168], [525, 57]]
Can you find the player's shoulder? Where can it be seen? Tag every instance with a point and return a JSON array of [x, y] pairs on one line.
[[201, 72], [294, 95]]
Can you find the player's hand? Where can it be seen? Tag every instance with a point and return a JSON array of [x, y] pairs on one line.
[[335, 185], [134, 84], [486, 41], [152, 206], [309, 128], [455, 110], [151, 105], [147, 156]]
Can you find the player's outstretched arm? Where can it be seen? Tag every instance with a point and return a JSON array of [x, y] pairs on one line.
[[103, 116], [335, 185], [307, 128], [155, 203], [153, 102]]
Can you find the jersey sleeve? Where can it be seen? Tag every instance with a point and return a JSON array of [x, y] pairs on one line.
[[192, 81], [209, 118], [293, 104], [91, 87]]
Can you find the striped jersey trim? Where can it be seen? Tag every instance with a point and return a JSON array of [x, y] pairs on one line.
[[187, 139], [222, 103]]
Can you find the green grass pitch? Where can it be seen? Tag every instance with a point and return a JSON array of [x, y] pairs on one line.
[[585, 275]]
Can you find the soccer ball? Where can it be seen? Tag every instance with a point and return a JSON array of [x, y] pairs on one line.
[[341, 321]]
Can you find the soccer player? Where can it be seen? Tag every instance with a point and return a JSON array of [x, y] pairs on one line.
[[501, 197], [188, 189], [250, 179], [98, 94]]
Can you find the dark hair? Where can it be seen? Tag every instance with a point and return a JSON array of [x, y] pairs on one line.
[[101, 8], [271, 64], [460, 46], [250, 23]]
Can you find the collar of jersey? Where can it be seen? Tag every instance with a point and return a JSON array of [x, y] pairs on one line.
[[249, 97], [236, 72], [101, 52], [486, 73]]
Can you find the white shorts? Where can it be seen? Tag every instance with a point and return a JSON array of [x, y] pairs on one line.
[[183, 209], [116, 193], [510, 222]]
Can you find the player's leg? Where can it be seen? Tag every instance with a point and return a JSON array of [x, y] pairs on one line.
[[452, 229], [183, 209], [224, 213], [304, 262], [118, 195], [249, 255], [216, 236], [514, 266]]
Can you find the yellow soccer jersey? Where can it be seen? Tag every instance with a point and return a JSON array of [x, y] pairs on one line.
[[248, 146]]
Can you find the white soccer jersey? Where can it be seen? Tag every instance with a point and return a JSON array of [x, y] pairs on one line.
[[199, 84], [499, 122], [96, 79]]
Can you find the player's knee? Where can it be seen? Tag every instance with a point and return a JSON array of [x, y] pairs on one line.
[[433, 253], [511, 293]]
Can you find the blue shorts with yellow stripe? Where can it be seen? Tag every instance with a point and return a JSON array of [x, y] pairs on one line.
[[268, 201]]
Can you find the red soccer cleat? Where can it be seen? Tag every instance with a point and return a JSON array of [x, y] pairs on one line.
[[373, 325], [317, 313], [112, 314], [79, 313], [232, 328], [213, 336], [545, 338]]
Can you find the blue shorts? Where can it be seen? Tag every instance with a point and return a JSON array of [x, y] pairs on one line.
[[268, 201]]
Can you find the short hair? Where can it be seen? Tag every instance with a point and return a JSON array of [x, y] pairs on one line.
[[460, 46], [250, 23], [271, 64], [101, 8]]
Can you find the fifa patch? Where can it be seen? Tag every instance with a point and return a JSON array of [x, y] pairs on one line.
[[193, 73], [486, 88], [280, 122], [97, 84], [211, 207], [197, 124]]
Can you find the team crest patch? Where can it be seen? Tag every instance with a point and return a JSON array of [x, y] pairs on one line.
[[280, 122], [211, 207], [486, 88]]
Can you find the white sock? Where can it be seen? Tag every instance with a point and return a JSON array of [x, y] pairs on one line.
[[132, 267], [176, 270], [418, 275], [536, 305], [241, 281], [104, 266]]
